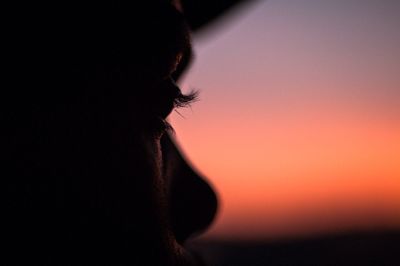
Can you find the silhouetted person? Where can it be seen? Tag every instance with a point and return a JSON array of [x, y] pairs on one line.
[[90, 174]]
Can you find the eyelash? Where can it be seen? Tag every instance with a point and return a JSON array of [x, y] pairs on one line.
[[185, 100], [159, 125]]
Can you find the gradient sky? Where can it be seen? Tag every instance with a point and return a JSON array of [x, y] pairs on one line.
[[298, 123]]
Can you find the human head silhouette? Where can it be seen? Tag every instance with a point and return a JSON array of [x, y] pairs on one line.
[[90, 173]]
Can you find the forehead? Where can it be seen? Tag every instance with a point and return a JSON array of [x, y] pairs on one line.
[[163, 36], [146, 34]]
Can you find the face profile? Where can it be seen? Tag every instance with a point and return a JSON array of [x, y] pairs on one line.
[[91, 174]]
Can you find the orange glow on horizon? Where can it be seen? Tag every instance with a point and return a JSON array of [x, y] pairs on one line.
[[308, 172]]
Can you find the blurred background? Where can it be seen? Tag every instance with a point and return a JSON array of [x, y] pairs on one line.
[[298, 130]]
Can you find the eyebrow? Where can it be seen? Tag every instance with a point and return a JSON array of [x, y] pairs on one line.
[[187, 58]]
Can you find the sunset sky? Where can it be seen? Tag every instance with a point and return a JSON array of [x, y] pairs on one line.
[[298, 123]]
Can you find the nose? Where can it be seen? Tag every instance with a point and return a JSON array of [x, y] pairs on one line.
[[192, 201]]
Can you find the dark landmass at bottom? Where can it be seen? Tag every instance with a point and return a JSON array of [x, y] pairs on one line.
[[366, 249]]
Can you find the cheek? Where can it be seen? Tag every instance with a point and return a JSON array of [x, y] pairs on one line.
[[153, 150], [154, 161]]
